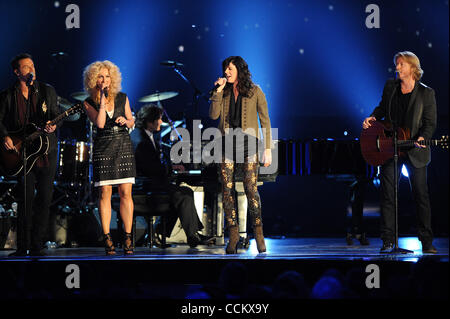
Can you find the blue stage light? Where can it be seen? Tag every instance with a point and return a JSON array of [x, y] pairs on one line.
[[404, 171]]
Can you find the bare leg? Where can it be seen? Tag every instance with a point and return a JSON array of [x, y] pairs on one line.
[[126, 206], [105, 207]]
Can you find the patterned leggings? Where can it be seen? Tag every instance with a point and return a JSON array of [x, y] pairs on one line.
[[250, 170]]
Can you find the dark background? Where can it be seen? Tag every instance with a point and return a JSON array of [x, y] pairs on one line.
[[321, 68]]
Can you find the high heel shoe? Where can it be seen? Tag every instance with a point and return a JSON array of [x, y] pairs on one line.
[[109, 245], [233, 241], [362, 239], [259, 237], [128, 248]]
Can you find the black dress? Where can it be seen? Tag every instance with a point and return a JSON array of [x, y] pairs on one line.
[[113, 152]]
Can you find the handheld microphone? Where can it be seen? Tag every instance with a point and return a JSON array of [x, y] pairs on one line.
[[29, 79], [105, 91], [171, 63], [215, 87]]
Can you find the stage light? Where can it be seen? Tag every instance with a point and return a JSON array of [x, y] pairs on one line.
[[410, 243], [345, 133], [404, 171], [376, 182]]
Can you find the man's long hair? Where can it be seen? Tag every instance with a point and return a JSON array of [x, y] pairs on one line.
[[413, 60], [148, 113]]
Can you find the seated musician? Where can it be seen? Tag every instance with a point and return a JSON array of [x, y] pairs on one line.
[[149, 165]]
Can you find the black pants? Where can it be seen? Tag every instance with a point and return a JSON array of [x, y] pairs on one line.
[[32, 224], [183, 207], [358, 194], [419, 187]]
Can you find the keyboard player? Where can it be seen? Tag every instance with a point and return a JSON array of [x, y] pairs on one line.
[[150, 166]]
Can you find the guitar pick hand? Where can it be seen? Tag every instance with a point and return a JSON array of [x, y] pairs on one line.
[[49, 128]]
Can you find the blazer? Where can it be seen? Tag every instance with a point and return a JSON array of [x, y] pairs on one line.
[[148, 159], [421, 116], [252, 108], [9, 117]]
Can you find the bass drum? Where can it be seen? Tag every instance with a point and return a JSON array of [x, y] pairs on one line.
[[73, 163]]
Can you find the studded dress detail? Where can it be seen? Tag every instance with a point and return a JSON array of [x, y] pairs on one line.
[[113, 155]]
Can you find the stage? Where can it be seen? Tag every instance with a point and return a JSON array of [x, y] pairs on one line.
[[180, 272]]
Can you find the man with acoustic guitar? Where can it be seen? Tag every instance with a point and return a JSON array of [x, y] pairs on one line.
[[29, 101], [407, 103]]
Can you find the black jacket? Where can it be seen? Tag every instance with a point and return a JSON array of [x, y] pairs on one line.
[[148, 159], [9, 117], [420, 116]]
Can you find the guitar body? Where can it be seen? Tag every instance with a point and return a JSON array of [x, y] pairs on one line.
[[11, 162], [377, 142]]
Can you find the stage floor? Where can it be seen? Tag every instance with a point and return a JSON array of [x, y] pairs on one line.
[[283, 249]]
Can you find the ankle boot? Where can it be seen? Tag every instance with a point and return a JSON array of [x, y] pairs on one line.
[[233, 241], [259, 237]]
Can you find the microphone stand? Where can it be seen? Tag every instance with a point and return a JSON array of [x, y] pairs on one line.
[[169, 120], [197, 93], [396, 249], [25, 233]]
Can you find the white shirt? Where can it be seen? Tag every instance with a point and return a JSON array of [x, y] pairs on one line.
[[150, 134]]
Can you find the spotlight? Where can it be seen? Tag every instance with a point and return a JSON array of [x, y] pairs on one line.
[[404, 171]]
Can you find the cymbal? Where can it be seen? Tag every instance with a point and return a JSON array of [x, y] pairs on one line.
[[159, 96], [64, 104], [79, 96]]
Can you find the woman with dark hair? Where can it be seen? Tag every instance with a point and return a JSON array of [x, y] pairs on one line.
[[114, 164], [239, 103]]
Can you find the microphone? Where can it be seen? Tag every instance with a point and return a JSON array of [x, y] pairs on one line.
[[105, 91], [171, 63], [215, 87], [29, 79]]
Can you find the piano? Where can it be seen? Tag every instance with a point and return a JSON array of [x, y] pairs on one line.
[[333, 158]]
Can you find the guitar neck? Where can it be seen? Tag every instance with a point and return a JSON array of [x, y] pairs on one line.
[[410, 143], [55, 121]]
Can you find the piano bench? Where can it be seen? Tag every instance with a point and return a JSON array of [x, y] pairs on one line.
[[149, 205]]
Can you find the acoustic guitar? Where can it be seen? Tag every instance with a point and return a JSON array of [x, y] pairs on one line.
[[377, 142], [11, 161]]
